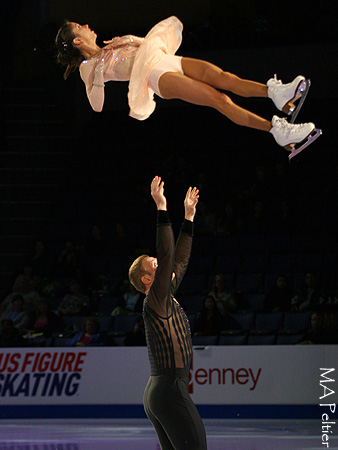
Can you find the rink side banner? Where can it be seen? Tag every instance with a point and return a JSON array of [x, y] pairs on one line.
[[251, 375]]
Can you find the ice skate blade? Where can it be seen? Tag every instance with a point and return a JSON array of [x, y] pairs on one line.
[[309, 140], [302, 91]]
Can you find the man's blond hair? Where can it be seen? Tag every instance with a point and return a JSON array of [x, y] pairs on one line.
[[136, 272]]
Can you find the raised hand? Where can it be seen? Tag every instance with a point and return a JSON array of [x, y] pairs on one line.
[[157, 192], [190, 202]]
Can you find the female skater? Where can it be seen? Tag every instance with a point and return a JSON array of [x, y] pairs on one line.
[[151, 66], [166, 398]]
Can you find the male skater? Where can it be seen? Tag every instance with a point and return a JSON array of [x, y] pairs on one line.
[[166, 398]]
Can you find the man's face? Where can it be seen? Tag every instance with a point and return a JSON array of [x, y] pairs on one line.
[[150, 265]]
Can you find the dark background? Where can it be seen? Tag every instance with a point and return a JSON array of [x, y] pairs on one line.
[[87, 160]]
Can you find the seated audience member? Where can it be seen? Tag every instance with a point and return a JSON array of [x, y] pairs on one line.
[[67, 262], [309, 296], [23, 287], [17, 314], [122, 242], [96, 245], [136, 337], [44, 320], [205, 220], [280, 296], [90, 336], [229, 222], [317, 333], [76, 302], [258, 220], [225, 299], [41, 261], [9, 335], [132, 302], [282, 220], [210, 321]]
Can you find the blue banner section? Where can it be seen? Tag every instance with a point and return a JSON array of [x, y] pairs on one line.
[[137, 411]]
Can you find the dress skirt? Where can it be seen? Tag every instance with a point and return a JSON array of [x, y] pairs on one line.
[[163, 39]]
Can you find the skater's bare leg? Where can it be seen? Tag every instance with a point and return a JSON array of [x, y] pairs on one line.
[[214, 76], [175, 85]]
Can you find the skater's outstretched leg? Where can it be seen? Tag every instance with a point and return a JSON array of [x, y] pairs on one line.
[[214, 76], [283, 95], [175, 85]]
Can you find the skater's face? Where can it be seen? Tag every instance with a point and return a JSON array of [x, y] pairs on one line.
[[83, 33], [150, 265]]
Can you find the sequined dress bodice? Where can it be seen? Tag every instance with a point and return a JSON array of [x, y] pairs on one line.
[[131, 58], [114, 63], [116, 59]]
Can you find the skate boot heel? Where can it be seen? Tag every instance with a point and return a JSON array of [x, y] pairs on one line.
[[301, 88], [301, 93], [288, 108], [295, 150]]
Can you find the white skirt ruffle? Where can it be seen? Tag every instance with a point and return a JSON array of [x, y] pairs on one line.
[[164, 38]]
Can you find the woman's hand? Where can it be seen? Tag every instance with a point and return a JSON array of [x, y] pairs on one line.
[[112, 41]]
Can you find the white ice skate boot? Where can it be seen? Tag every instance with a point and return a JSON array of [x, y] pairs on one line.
[[288, 135], [284, 95]]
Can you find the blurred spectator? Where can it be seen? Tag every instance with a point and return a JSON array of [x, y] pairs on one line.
[[317, 334], [96, 245], [210, 321], [309, 296], [76, 302], [132, 302], [205, 219], [261, 186], [280, 296], [90, 336], [224, 298], [228, 222], [9, 335], [67, 262], [136, 337], [44, 320], [18, 315], [282, 221], [21, 286], [41, 261], [258, 218], [122, 242]]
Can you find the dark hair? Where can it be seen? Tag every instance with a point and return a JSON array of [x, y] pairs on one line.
[[95, 322], [67, 55], [204, 309], [18, 297]]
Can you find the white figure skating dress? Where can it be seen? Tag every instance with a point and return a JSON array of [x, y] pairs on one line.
[[131, 58]]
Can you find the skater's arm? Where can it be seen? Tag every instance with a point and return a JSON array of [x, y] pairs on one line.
[[184, 241], [160, 289], [129, 39], [95, 91]]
